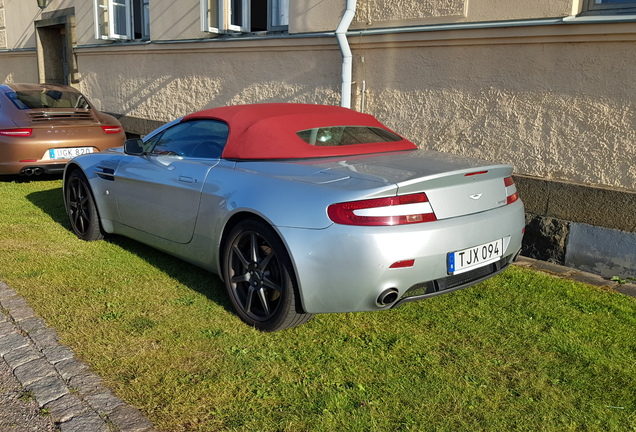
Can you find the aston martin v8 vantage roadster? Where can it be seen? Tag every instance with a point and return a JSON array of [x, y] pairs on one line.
[[302, 209]]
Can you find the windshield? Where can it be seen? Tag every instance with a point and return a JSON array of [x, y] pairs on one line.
[[35, 99], [346, 135]]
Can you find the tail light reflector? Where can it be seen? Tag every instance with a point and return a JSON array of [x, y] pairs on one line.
[[397, 210], [511, 190], [112, 129], [24, 132], [403, 264]]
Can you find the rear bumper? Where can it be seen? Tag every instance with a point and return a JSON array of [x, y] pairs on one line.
[[453, 283], [32, 168], [347, 268]]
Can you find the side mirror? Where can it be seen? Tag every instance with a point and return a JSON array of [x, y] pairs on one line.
[[134, 146]]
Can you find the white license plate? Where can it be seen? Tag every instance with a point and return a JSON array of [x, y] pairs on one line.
[[474, 257], [68, 153]]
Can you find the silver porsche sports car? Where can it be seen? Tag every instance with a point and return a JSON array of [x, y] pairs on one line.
[[302, 209]]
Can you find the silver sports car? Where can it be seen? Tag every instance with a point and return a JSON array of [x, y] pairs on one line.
[[302, 209]]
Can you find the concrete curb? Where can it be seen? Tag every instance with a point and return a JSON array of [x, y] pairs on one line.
[[72, 394], [557, 270]]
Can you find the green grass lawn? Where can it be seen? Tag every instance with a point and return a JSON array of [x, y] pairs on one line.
[[523, 351]]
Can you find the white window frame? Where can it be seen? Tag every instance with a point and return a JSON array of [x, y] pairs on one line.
[[106, 9], [222, 22], [209, 24], [227, 15], [277, 19], [105, 12]]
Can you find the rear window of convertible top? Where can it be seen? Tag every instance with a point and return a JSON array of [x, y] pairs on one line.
[[336, 136]]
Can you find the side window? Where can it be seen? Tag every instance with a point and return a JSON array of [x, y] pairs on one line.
[[194, 139]]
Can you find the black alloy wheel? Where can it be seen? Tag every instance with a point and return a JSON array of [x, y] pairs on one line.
[[81, 208], [260, 279]]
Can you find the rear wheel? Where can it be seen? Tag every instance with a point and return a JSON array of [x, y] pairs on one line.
[[81, 208], [259, 278]]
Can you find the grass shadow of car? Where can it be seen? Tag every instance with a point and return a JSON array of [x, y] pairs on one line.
[[188, 275], [28, 179]]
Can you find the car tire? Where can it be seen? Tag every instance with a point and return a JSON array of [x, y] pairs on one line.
[[81, 208], [259, 278]]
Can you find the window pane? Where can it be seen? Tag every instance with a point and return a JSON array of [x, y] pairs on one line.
[[611, 5], [280, 13], [211, 18], [101, 19], [35, 99], [146, 15], [196, 139], [141, 24], [120, 17], [346, 135], [236, 14]]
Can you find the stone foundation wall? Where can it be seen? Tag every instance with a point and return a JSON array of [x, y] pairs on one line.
[[581, 226]]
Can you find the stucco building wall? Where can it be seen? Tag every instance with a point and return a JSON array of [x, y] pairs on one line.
[[324, 15], [166, 82], [18, 67], [554, 109]]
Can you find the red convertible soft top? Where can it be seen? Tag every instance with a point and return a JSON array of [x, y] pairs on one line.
[[269, 131]]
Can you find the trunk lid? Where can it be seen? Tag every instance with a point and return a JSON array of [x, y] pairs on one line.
[[455, 185]]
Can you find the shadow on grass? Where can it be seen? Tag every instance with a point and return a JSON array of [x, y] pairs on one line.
[[52, 203], [28, 179]]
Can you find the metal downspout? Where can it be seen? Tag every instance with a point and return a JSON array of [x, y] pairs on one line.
[[347, 57]]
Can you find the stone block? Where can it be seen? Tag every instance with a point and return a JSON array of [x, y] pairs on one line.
[[34, 370], [21, 355], [65, 408], [47, 389], [11, 341], [88, 421]]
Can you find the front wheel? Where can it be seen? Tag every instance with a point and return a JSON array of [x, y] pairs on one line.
[[81, 208], [259, 278]]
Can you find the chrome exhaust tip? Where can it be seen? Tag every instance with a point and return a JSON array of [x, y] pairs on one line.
[[387, 297]]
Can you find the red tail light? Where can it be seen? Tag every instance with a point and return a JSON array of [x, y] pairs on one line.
[[25, 132], [511, 190], [397, 210], [112, 129]]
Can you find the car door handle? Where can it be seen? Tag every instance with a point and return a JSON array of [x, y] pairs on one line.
[[185, 179]]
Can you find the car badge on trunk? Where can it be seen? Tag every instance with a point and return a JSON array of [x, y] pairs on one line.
[[475, 196]]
